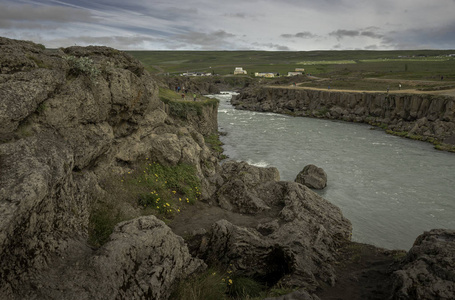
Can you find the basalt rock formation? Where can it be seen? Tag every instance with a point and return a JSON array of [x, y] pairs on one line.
[[426, 117]]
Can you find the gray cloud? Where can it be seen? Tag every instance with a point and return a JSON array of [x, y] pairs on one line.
[[342, 33], [212, 40], [31, 13], [238, 24], [119, 42], [236, 15], [371, 34], [301, 35]]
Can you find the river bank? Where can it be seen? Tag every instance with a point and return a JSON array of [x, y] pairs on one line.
[[424, 117]]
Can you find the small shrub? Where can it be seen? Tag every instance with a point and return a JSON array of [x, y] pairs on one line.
[[164, 189], [208, 285], [103, 218], [241, 287], [213, 141], [82, 66], [182, 108]]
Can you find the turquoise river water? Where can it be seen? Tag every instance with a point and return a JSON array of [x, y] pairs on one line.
[[392, 189]]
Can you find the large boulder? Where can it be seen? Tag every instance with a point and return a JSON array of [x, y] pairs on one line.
[[428, 270], [239, 186], [294, 244], [312, 177]]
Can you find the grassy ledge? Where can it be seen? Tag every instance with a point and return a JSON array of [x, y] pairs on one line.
[[148, 189], [181, 108]]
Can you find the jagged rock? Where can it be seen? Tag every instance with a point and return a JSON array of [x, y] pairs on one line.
[[240, 183], [62, 131], [296, 248], [428, 271], [400, 111], [150, 257], [312, 177], [144, 259]]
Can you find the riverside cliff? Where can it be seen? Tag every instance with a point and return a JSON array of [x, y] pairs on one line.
[[419, 116], [74, 125]]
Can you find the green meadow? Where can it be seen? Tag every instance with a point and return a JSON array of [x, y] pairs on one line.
[[411, 64]]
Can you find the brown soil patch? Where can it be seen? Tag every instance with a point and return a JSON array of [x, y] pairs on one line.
[[203, 215], [363, 273]]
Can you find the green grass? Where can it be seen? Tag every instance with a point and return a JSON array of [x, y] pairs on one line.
[[213, 141], [411, 64], [149, 189], [182, 108], [217, 283]]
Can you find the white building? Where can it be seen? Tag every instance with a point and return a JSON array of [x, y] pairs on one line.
[[267, 75], [239, 70], [294, 73]]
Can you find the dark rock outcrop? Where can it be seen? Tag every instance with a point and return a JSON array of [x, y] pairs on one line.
[[312, 177], [423, 116], [428, 271], [69, 118], [294, 247]]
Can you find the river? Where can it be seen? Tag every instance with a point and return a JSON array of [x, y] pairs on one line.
[[392, 189]]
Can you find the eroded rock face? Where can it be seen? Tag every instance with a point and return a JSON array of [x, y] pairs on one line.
[[295, 247], [428, 269], [312, 177], [239, 185], [428, 116], [63, 128]]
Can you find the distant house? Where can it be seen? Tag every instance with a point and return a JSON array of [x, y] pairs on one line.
[[294, 73], [299, 69], [195, 74], [239, 70], [267, 75]]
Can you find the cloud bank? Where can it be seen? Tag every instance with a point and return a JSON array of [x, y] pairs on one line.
[[296, 25]]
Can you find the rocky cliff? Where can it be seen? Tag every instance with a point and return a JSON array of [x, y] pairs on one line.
[[74, 119], [70, 118], [419, 116]]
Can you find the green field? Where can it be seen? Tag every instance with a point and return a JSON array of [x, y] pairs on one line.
[[411, 64]]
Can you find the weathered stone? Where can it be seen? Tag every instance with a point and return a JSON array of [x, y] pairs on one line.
[[312, 177], [400, 110], [296, 248], [428, 271], [62, 131], [240, 185], [297, 295]]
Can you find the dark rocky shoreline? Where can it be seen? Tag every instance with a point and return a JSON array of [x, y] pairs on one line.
[[423, 117], [72, 118]]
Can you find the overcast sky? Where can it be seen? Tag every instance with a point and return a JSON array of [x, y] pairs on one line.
[[296, 25]]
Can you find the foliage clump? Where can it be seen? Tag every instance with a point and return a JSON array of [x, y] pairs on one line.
[[182, 108], [82, 66], [218, 283], [148, 189]]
